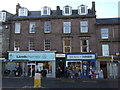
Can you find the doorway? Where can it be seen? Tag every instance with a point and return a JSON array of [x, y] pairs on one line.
[[31, 69]]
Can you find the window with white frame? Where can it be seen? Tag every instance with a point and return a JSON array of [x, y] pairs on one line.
[[17, 27], [66, 45], [47, 45], [31, 45], [16, 45], [67, 10], [104, 33], [2, 16], [82, 10], [84, 26], [23, 11], [105, 50], [45, 11], [47, 27], [66, 27], [84, 44], [32, 27]]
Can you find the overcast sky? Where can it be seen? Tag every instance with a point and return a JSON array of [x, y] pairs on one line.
[[104, 8]]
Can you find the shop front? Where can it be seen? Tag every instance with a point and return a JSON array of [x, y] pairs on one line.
[[83, 63], [36, 61]]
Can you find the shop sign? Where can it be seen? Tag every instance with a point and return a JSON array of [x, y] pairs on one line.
[[81, 57], [60, 55], [32, 56]]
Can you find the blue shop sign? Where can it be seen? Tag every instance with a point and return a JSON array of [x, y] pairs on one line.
[[76, 57], [33, 56]]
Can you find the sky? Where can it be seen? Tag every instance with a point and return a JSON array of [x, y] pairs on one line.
[[104, 8]]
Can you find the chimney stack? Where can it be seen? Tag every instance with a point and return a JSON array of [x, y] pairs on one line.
[[93, 7], [17, 7], [58, 10]]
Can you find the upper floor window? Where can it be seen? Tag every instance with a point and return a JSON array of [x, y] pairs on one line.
[[23, 12], [83, 26], [2, 16], [47, 27], [16, 45], [47, 45], [66, 45], [82, 10], [45, 11], [32, 27], [105, 50], [66, 27], [67, 10], [84, 44], [17, 27], [104, 33], [31, 45]]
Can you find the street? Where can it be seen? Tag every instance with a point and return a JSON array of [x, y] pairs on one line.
[[27, 82]]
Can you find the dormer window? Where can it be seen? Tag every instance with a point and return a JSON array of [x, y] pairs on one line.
[[2, 16], [67, 10], [82, 10], [45, 11], [23, 12]]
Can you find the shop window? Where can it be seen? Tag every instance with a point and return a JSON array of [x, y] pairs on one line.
[[47, 27], [32, 27], [66, 45], [104, 33], [105, 50], [84, 44], [17, 27], [84, 26], [66, 27], [31, 45], [17, 45], [47, 45]]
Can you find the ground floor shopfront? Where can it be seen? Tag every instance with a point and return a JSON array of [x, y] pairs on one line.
[[82, 64], [108, 67], [27, 63]]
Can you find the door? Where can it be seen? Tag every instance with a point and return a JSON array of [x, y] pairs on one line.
[[85, 70], [31, 69]]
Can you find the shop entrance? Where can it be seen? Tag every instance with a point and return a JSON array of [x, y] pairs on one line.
[[31, 69], [85, 68]]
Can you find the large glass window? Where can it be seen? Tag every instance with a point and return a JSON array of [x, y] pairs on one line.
[[46, 45], [105, 50], [66, 27], [32, 27], [47, 27], [17, 27], [83, 26], [31, 45], [84, 44], [104, 33], [16, 45], [66, 45]]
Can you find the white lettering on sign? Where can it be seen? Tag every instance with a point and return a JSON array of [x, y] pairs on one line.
[[60, 55], [82, 56]]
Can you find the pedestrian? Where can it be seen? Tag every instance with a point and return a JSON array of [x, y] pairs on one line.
[[43, 73]]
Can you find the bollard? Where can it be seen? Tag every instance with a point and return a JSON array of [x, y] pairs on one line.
[[37, 80]]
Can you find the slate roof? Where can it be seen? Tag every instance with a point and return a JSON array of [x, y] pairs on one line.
[[108, 20], [54, 13]]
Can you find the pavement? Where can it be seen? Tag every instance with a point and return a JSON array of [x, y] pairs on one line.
[[28, 82]]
